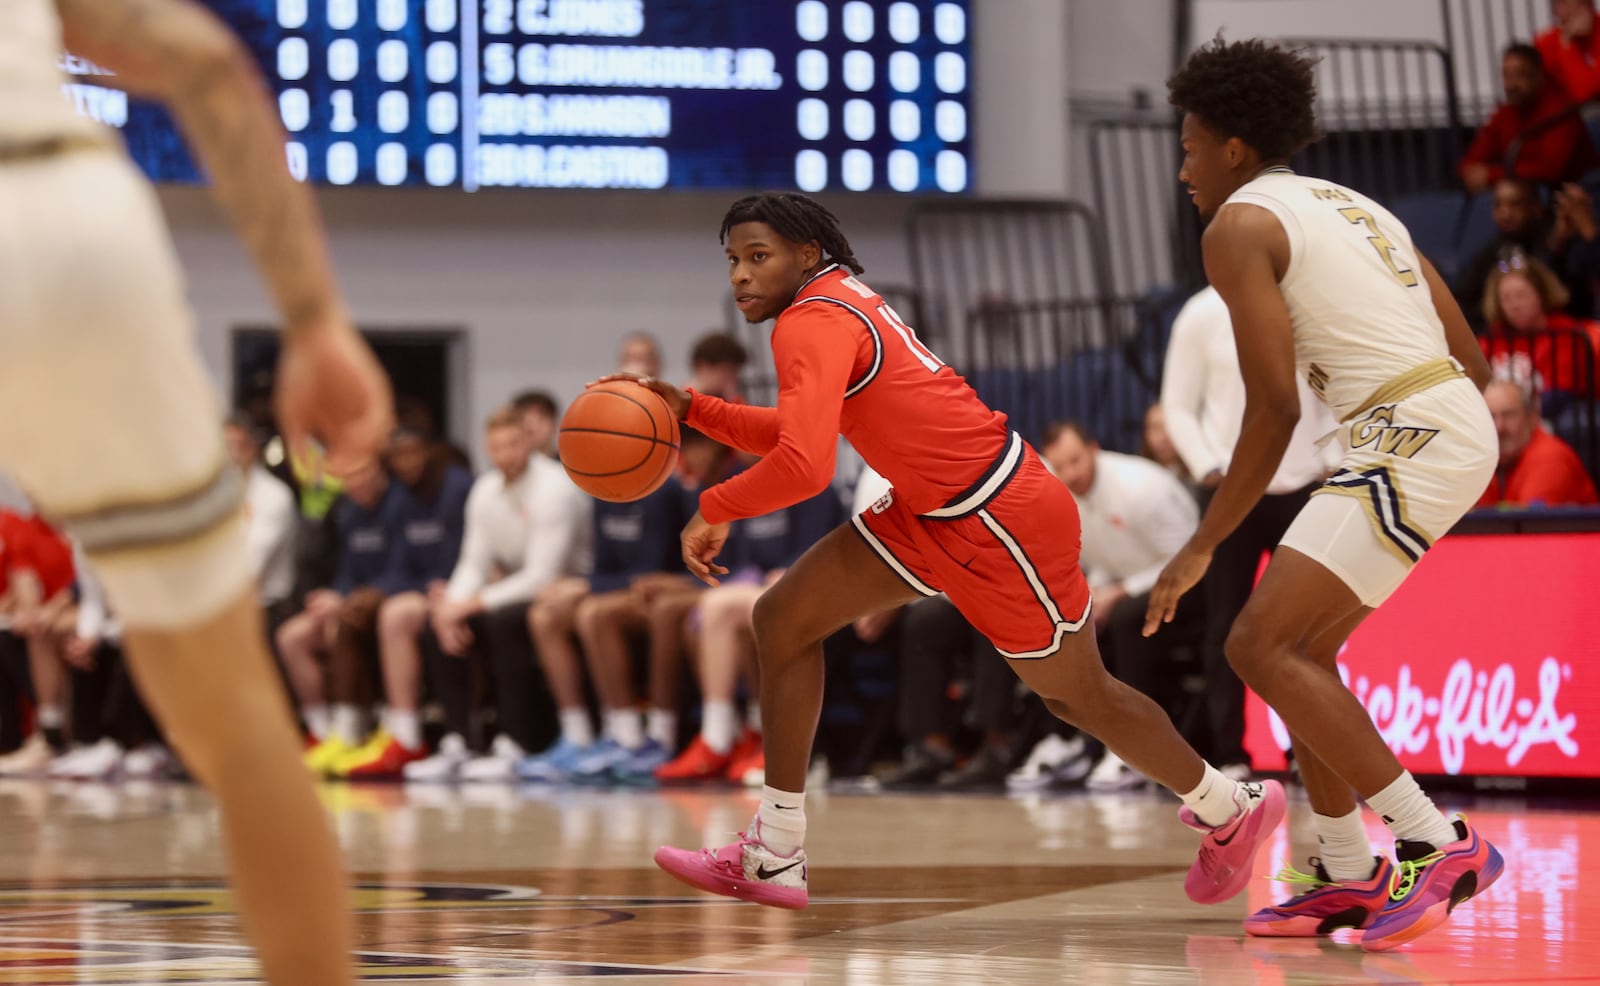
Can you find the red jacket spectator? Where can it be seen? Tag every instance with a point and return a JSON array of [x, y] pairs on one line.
[[1535, 467], [1547, 473], [1562, 153], [1571, 49], [29, 544], [1530, 337]]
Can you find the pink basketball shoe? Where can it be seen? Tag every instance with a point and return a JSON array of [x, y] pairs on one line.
[[1227, 852], [1428, 883], [1325, 905], [746, 869]]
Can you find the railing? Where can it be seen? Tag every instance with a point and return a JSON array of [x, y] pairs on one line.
[[1477, 32], [982, 255], [1153, 229], [1390, 115]]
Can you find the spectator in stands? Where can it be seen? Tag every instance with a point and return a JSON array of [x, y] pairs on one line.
[[270, 532], [112, 728], [526, 528], [715, 364], [541, 416], [1135, 516], [429, 521], [639, 353], [1574, 245], [36, 576], [636, 557], [1531, 337], [1522, 226], [758, 552], [1571, 49], [1536, 468], [1155, 444], [1561, 153], [1203, 393], [325, 649]]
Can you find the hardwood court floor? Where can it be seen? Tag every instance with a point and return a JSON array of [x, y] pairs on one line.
[[119, 886]]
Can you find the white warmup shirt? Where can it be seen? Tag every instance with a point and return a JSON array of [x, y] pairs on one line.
[[1135, 518], [1202, 394], [535, 530]]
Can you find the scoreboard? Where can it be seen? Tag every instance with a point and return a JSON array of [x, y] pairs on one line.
[[640, 94]]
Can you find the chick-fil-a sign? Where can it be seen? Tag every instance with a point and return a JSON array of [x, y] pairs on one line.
[[1486, 662]]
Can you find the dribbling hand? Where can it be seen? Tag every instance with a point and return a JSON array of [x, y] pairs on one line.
[[677, 400], [1185, 569], [702, 542], [330, 388]]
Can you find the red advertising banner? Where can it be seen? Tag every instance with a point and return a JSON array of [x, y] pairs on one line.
[[1485, 663]]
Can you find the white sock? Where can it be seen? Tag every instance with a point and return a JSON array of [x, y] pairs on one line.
[[625, 727], [576, 727], [1216, 799], [1410, 814], [405, 725], [662, 726], [782, 818], [1343, 847], [318, 720], [719, 725], [752, 717], [50, 717], [347, 723]]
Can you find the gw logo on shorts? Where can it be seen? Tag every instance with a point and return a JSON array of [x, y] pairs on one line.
[[1378, 429]]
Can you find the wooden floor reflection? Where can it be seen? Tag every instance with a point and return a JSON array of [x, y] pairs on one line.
[[119, 886]]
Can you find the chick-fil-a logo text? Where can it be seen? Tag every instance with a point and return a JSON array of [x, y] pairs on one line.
[[1476, 707]]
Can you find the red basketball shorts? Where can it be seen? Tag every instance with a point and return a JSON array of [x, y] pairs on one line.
[[1006, 553]]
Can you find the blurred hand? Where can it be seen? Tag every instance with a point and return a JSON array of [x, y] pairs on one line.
[[330, 389], [702, 542], [1576, 207], [79, 652], [450, 625], [1212, 479], [677, 400], [871, 628], [323, 602], [1185, 569], [1475, 177]]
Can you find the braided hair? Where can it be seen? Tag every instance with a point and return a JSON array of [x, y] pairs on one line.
[[798, 219]]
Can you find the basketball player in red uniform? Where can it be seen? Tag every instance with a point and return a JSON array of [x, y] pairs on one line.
[[973, 514]]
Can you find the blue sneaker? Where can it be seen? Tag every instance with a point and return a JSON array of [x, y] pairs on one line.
[[597, 763], [640, 768], [555, 764]]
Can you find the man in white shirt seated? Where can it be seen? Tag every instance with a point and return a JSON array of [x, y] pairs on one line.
[[526, 526], [1135, 515], [1202, 393]]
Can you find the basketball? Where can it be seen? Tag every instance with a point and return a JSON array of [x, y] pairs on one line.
[[619, 441]]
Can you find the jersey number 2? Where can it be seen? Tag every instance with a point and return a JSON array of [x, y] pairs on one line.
[[1381, 243], [907, 335]]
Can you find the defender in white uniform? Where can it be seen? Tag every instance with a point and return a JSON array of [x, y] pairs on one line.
[[109, 422], [1323, 281], [1419, 444]]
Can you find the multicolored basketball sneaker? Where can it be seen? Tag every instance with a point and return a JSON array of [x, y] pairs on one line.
[[1229, 850], [1428, 883], [747, 870], [1325, 906]]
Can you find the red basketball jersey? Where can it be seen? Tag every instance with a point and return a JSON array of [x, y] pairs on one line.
[[848, 364]]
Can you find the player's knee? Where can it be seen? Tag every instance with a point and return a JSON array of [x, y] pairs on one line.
[[1251, 649], [403, 615], [776, 629]]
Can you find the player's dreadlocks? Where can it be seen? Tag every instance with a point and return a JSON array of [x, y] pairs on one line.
[[798, 219], [1258, 92]]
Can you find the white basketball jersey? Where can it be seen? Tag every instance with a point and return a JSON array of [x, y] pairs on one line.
[[1361, 308], [32, 105]]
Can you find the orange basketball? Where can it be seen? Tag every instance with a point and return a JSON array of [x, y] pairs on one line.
[[619, 441]]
